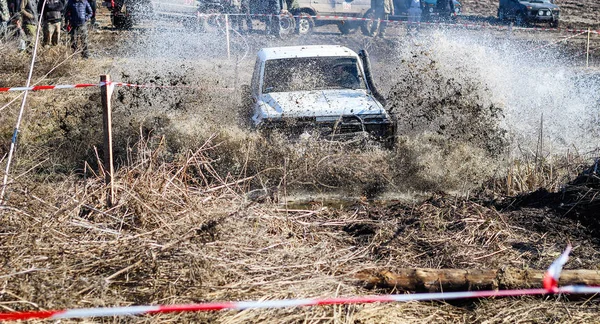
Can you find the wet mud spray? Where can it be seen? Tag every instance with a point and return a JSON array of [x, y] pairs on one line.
[[466, 103]]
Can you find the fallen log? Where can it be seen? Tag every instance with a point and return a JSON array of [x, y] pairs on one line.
[[439, 280]]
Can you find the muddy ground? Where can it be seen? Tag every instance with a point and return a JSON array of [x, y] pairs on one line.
[[207, 210]]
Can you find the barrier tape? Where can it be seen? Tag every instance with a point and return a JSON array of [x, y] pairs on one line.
[[118, 84], [401, 22], [549, 44], [550, 283]]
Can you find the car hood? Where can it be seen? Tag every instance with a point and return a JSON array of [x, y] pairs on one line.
[[539, 4], [318, 103]]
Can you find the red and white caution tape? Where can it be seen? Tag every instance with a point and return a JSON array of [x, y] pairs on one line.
[[552, 275], [138, 310], [51, 87], [550, 282], [112, 83], [549, 44]]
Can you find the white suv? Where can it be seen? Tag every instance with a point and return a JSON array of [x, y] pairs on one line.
[[319, 87], [329, 12]]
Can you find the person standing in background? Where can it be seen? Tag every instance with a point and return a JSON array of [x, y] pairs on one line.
[[93, 23], [273, 10], [382, 10], [77, 14], [445, 8], [28, 21], [245, 9], [51, 19], [414, 14]]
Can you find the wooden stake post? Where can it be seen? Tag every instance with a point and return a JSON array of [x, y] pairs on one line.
[[587, 59], [106, 92], [227, 36]]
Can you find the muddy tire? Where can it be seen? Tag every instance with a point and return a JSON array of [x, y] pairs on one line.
[[287, 24], [554, 24], [347, 27], [367, 25], [305, 24]]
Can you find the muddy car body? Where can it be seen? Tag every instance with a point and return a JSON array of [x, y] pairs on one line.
[[529, 11], [316, 88]]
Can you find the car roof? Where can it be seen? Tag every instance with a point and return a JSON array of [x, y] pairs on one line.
[[273, 53]]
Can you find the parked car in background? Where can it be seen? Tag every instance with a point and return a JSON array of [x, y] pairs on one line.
[[529, 11], [338, 8]]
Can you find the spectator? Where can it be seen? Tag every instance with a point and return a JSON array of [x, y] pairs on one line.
[[28, 21], [273, 9], [382, 11], [93, 4], [77, 14], [245, 9], [445, 8], [51, 19], [14, 8], [233, 8], [414, 14]]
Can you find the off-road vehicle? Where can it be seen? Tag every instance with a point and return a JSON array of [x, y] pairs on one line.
[[524, 12], [320, 89]]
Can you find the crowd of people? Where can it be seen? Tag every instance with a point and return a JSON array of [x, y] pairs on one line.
[[20, 20]]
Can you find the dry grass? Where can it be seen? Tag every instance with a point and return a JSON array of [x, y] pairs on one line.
[[203, 210], [174, 238]]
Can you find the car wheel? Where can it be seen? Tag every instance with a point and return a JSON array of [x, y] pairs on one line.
[[554, 23], [367, 25], [305, 24], [287, 24], [347, 27]]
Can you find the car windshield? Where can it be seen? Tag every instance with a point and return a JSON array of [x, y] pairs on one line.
[[312, 73]]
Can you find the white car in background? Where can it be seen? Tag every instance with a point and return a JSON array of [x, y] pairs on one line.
[[330, 12]]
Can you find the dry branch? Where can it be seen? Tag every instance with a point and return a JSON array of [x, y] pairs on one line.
[[436, 280]]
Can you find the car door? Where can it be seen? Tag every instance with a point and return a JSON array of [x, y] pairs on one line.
[[323, 7], [352, 7]]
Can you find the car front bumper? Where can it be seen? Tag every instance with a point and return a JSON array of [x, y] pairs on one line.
[[378, 127]]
